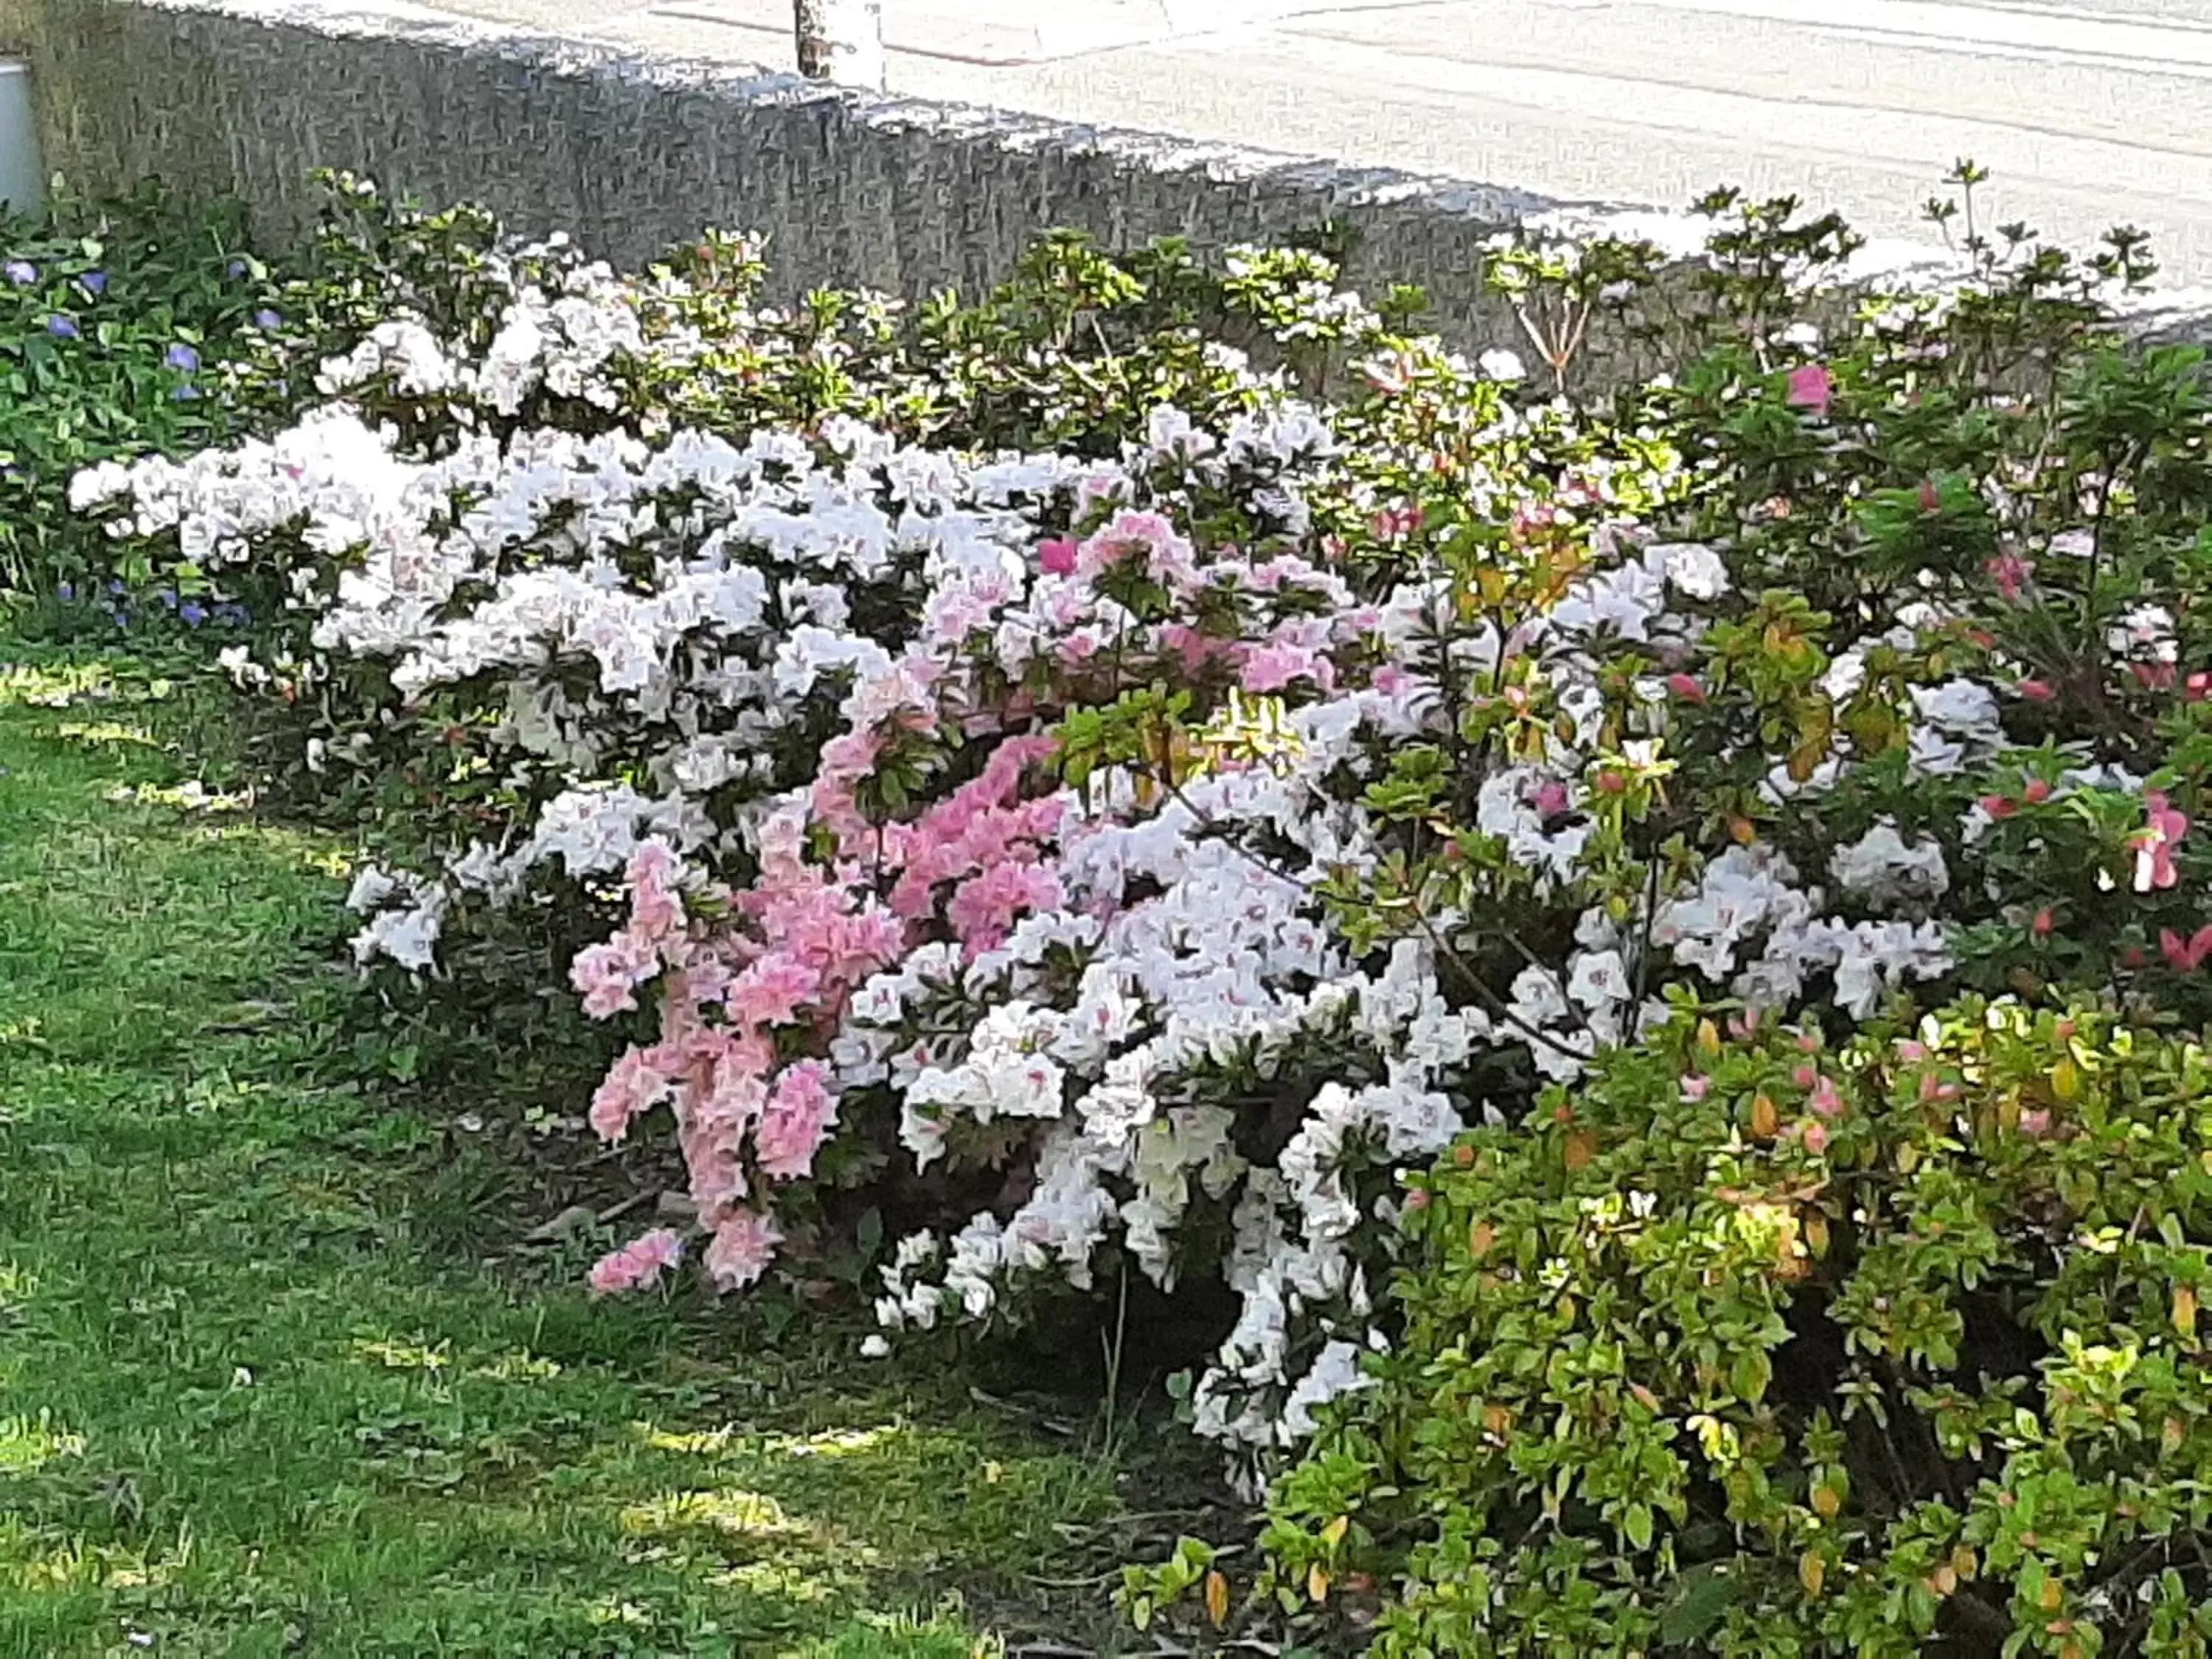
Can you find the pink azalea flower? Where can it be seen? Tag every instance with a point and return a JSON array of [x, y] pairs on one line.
[[607, 974], [717, 1169], [954, 613], [632, 1087], [1812, 388], [638, 1265], [1056, 557], [1696, 1088], [1827, 1101], [656, 903], [743, 1245], [1933, 1088], [2036, 691], [1146, 538], [2010, 572], [799, 1116], [2155, 842], [1272, 667], [2185, 955], [1392, 522], [610, 1275], [771, 991], [983, 909], [1195, 648]]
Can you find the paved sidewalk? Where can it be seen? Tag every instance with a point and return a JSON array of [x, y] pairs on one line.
[[2088, 114]]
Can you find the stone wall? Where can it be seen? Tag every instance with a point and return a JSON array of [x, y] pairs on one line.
[[247, 97]]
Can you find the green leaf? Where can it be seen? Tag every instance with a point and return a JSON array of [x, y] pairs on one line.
[[1750, 1373], [1637, 1524], [1701, 1596]]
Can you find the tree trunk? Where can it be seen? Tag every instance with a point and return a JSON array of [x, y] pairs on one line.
[[841, 41]]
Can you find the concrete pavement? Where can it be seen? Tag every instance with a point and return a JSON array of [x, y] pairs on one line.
[[2088, 114]]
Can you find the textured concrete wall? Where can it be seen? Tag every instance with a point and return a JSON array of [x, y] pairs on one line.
[[247, 97]]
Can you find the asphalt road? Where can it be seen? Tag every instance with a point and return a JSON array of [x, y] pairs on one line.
[[2088, 114]]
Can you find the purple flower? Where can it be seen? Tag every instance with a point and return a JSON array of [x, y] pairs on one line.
[[236, 268], [182, 358], [65, 592], [21, 272], [94, 281], [265, 318], [228, 614], [191, 613], [61, 327], [185, 393]]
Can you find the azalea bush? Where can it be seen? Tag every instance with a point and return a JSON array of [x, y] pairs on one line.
[[1760, 1343], [1805, 1323], [883, 755], [1117, 777]]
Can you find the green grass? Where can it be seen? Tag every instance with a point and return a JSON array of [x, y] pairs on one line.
[[256, 1400]]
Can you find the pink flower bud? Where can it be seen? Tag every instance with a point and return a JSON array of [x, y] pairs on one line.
[[1812, 388]]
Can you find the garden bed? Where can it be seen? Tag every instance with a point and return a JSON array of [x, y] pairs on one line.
[[1614, 978]]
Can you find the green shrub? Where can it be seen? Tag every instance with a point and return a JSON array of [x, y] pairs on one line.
[[1749, 1345], [116, 320]]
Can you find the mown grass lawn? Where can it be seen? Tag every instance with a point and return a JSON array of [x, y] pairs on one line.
[[255, 1399]]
